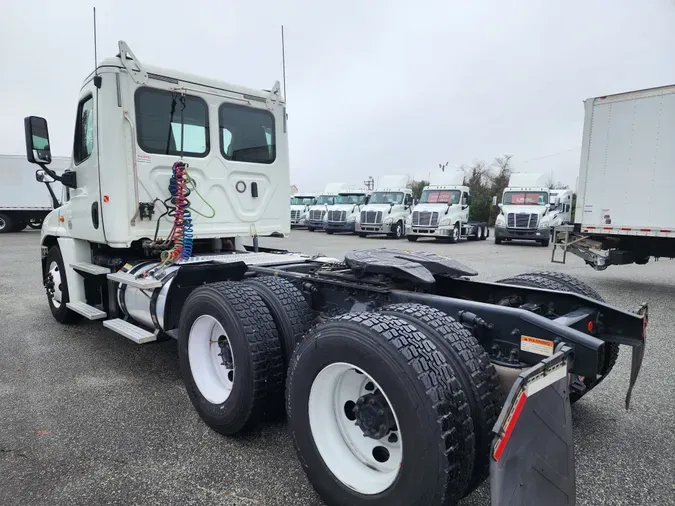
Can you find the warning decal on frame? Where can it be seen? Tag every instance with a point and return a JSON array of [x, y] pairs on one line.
[[536, 346]]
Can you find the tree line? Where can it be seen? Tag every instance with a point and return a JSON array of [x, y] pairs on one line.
[[485, 181]]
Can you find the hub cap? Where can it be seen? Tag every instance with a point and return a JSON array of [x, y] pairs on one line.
[[211, 359], [53, 285], [355, 428], [455, 233]]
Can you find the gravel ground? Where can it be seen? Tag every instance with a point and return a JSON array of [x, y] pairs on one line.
[[88, 417]]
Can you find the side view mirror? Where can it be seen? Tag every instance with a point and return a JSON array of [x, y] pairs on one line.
[[42, 177], [500, 205], [552, 205], [37, 140]]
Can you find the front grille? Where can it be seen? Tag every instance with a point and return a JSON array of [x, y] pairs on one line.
[[295, 215], [337, 216], [371, 217], [424, 219], [522, 220], [316, 215]]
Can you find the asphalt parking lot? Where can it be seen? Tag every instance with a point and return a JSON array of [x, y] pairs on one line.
[[88, 417]]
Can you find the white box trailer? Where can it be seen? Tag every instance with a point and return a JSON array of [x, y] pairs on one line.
[[22, 202], [624, 212]]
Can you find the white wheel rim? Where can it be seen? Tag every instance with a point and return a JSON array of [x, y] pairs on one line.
[[56, 291], [368, 466], [3, 224], [207, 342], [455, 233]]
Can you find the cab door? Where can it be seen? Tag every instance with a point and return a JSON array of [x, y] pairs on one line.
[[465, 207], [83, 216]]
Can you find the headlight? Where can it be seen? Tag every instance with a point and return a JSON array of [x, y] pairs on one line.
[[351, 219], [388, 220], [445, 221], [408, 220], [544, 224], [500, 220]]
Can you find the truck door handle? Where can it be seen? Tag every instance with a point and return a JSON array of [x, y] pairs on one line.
[[94, 214], [254, 189]]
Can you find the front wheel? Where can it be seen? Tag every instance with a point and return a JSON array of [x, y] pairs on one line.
[[377, 415], [398, 231], [330, 232], [56, 285], [545, 243], [412, 238], [6, 224], [455, 234], [498, 240], [361, 234], [311, 229]]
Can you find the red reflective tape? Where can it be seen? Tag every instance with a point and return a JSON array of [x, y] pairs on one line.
[[645, 230], [607, 228], [665, 230], [520, 403], [590, 228], [625, 228]]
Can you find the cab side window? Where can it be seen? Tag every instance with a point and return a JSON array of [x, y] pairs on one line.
[[84, 131], [465, 199]]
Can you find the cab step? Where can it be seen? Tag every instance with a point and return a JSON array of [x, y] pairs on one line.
[[89, 312], [130, 331], [125, 278], [94, 269]]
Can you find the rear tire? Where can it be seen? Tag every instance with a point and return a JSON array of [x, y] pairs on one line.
[[498, 240], [6, 224], [476, 374], [56, 285], [419, 390], [565, 283], [227, 325]]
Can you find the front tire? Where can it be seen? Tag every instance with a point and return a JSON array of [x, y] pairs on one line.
[[412, 238], [455, 234], [368, 373], [398, 231], [56, 285], [311, 229], [361, 234], [230, 356], [35, 223]]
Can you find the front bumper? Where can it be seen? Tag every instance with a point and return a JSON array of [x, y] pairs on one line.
[[441, 231], [316, 224], [369, 228], [340, 226], [302, 222], [525, 234]]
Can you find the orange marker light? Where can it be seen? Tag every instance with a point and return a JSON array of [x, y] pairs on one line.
[[62, 219]]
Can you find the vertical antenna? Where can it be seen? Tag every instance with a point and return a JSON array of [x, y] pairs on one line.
[[95, 48], [283, 60]]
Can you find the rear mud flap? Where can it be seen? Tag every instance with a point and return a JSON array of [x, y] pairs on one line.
[[532, 461]]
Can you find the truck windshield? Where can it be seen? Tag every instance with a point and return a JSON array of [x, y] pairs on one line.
[[350, 199], [386, 198], [440, 197], [302, 201], [326, 200], [525, 198]]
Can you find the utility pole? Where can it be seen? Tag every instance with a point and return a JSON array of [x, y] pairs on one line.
[[370, 183]]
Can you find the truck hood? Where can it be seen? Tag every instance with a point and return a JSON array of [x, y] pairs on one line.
[[435, 208], [319, 207], [540, 210], [377, 207], [344, 207], [298, 207]]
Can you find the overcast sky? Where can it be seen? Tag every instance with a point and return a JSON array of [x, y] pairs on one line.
[[374, 87]]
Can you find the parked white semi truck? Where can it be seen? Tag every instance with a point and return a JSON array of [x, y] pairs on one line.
[[22, 202], [561, 211], [300, 204], [318, 213], [342, 215], [443, 211], [525, 210], [624, 212], [404, 381], [388, 207]]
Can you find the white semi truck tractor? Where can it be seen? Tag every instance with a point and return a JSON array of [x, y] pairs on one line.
[[388, 207], [403, 380], [342, 215], [318, 213], [443, 211], [624, 211], [525, 210], [300, 204]]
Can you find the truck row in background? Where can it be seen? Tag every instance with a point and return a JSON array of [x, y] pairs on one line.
[[528, 211]]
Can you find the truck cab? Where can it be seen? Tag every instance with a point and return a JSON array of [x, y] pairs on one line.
[[318, 213], [342, 215], [387, 209], [561, 209], [300, 204], [525, 210], [443, 211]]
